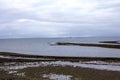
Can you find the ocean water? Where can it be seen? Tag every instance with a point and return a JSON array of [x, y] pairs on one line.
[[41, 46]]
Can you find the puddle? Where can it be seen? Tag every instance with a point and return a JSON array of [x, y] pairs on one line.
[[20, 74], [111, 66], [10, 57], [39, 69], [11, 72], [57, 76]]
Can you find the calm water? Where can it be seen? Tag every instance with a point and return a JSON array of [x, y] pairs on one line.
[[41, 46]]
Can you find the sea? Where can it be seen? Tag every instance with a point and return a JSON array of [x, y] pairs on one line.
[[45, 47]]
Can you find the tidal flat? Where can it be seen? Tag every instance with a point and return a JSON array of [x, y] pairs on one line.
[[16, 66]]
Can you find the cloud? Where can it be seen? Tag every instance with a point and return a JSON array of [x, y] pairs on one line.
[[59, 18]]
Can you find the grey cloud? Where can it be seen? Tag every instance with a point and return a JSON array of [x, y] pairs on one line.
[[55, 18]]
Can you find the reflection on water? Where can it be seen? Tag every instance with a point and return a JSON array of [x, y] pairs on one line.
[[60, 70], [100, 65], [57, 76]]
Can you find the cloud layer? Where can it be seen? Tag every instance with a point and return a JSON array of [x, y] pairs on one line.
[[59, 18]]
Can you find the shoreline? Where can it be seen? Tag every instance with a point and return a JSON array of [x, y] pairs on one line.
[[16, 66], [18, 57]]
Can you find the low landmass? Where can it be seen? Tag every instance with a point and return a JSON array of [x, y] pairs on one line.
[[113, 42], [105, 44]]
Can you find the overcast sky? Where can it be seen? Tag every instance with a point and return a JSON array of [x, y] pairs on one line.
[[59, 18]]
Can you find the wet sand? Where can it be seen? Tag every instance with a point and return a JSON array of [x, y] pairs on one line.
[[17, 57], [14, 66], [60, 73]]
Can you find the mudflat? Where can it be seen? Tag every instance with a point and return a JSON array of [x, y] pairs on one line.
[[14, 66]]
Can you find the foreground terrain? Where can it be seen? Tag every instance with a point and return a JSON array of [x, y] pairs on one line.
[[15, 66]]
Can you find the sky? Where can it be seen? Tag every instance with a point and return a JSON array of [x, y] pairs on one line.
[[59, 18]]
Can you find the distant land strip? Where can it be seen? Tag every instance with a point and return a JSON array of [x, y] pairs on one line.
[[102, 44], [112, 42]]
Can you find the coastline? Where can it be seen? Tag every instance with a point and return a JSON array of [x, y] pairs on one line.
[[19, 57], [19, 66], [16, 66]]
